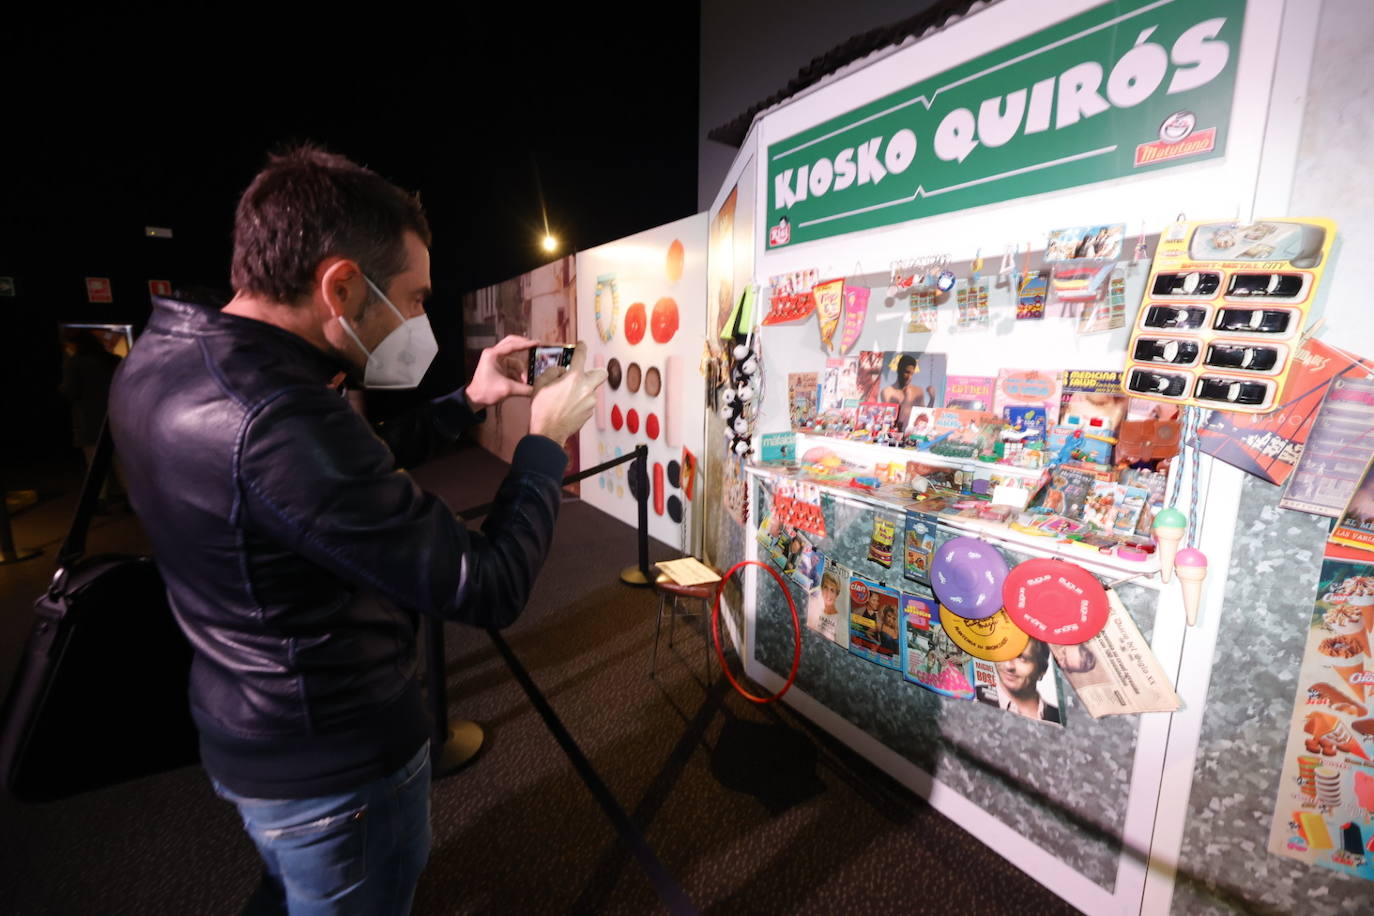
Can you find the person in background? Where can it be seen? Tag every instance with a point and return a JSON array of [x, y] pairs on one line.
[[297, 554]]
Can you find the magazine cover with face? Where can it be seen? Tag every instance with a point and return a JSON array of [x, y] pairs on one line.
[[1027, 685], [911, 379], [874, 622], [827, 606]]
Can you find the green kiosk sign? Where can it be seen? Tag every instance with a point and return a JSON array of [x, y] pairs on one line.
[[1124, 88]]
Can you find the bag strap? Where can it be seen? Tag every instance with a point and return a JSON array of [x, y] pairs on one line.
[[75, 544]]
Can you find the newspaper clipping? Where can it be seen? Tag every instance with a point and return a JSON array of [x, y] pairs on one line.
[[1115, 672]]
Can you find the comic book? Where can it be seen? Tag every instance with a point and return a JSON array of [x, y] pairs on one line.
[[802, 397], [929, 657], [1067, 492], [964, 433], [919, 544], [870, 370], [1028, 388], [969, 392]]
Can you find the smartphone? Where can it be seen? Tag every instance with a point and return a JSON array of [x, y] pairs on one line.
[[543, 358]]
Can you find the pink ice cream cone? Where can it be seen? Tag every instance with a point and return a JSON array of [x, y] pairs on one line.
[[1191, 566]]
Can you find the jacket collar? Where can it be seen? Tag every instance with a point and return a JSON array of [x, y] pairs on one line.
[[200, 316]]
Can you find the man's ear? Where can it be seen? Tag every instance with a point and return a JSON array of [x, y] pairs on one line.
[[340, 286]]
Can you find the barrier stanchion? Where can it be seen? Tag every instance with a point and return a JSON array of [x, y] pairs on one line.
[[456, 742], [638, 575]]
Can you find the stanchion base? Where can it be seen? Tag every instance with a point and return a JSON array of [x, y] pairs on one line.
[[631, 575], [20, 557], [464, 741]]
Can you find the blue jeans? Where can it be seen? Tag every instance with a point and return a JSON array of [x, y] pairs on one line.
[[360, 851]]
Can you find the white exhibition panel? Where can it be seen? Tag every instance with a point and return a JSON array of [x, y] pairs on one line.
[[730, 267], [1224, 188], [639, 264]]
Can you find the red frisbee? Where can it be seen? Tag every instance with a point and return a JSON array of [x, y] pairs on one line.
[[1055, 601]]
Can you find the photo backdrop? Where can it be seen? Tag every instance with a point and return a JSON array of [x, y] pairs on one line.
[[539, 304]]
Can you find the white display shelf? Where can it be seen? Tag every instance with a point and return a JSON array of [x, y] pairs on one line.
[[1107, 566]]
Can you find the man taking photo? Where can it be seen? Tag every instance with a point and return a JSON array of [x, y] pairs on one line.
[[297, 556]]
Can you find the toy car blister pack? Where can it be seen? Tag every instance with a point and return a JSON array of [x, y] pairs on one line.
[[1224, 310]]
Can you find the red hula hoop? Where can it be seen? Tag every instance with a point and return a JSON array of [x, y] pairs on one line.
[[796, 631]]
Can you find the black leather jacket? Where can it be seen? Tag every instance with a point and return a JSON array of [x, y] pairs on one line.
[[296, 555]]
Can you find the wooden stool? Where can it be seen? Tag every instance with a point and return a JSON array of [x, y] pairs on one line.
[[668, 590]]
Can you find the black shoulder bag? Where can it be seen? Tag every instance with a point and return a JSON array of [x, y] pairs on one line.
[[100, 696]]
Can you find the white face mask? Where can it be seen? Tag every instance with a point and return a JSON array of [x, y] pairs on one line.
[[402, 357]]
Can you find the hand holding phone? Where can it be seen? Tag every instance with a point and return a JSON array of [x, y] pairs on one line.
[[543, 358]]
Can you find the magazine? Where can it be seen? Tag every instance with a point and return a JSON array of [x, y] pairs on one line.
[[1027, 685], [827, 605], [1339, 445], [1355, 527], [1028, 388], [911, 379], [802, 397], [919, 544], [969, 392], [874, 629], [929, 657], [1268, 445]]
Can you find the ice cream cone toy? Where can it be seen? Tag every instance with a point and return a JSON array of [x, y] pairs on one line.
[[1169, 527], [1191, 566]]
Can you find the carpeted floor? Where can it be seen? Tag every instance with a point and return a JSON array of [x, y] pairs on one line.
[[752, 810]]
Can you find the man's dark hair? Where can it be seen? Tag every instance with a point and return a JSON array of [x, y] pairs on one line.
[[1040, 657], [907, 361], [309, 204]]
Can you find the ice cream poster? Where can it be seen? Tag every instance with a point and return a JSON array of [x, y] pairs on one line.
[[1324, 813]]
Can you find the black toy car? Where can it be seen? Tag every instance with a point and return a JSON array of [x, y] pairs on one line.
[[1156, 350], [1147, 382], [1266, 321], [1268, 286], [1195, 283], [1235, 356], [1232, 391], [1175, 316]]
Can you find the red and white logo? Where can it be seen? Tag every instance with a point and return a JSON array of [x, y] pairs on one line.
[[858, 593], [98, 289], [780, 234], [1178, 138]]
